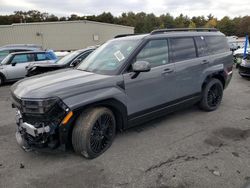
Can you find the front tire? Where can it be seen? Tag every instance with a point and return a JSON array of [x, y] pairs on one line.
[[212, 95], [94, 132]]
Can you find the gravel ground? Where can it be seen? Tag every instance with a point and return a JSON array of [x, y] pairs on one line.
[[189, 148]]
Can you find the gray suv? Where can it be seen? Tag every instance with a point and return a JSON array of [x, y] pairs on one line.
[[125, 82]]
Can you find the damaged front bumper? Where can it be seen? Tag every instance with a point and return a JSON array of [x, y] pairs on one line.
[[42, 131]]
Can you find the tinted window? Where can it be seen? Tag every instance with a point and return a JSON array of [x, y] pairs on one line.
[[155, 52], [83, 56], [217, 44], [3, 54], [183, 48], [42, 57], [201, 46], [23, 58]]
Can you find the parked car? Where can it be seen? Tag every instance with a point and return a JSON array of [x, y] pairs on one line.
[[13, 67], [244, 66], [123, 83], [238, 55], [7, 49], [60, 55], [70, 60]]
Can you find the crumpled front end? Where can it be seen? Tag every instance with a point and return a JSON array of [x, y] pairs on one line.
[[39, 122]]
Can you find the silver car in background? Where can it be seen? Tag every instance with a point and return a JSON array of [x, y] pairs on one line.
[[13, 67], [12, 48]]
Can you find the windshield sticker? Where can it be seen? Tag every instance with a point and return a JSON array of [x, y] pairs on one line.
[[119, 56]]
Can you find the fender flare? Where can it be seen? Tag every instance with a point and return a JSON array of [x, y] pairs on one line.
[[218, 75], [117, 107]]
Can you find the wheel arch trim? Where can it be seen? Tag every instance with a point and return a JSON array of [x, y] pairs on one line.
[[117, 107]]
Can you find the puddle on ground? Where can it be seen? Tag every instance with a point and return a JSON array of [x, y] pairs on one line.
[[232, 133]]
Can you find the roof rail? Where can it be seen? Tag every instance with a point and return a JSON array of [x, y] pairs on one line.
[[123, 35], [158, 31]]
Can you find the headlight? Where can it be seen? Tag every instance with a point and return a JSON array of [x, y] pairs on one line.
[[38, 106]]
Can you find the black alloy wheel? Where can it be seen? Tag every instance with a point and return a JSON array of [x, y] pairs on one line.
[[214, 95], [94, 132], [102, 133]]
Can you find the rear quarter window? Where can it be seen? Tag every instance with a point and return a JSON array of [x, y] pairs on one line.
[[217, 44], [45, 56], [182, 48]]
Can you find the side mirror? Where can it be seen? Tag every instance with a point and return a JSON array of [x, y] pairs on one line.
[[13, 64], [141, 66]]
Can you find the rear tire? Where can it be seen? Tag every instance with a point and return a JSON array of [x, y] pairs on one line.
[[94, 132], [211, 95]]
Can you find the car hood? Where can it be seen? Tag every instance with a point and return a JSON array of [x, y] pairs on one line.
[[62, 84]]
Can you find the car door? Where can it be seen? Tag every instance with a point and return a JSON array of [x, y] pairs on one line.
[[188, 66], [16, 68], [151, 90]]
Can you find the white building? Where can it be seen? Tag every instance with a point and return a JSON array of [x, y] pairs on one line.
[[66, 35]]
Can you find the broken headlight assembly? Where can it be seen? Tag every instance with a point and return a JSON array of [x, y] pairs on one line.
[[38, 106], [39, 119], [42, 111]]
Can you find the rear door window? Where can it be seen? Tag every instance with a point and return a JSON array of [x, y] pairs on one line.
[[201, 46], [217, 44], [182, 48]]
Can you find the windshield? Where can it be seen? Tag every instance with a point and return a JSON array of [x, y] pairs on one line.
[[109, 57], [68, 58], [3, 54], [6, 59]]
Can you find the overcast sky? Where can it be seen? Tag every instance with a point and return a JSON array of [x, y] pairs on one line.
[[218, 8]]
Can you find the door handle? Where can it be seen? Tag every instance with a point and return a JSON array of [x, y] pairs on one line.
[[167, 71], [204, 62]]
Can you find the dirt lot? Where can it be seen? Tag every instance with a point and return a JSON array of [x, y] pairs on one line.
[[189, 148]]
